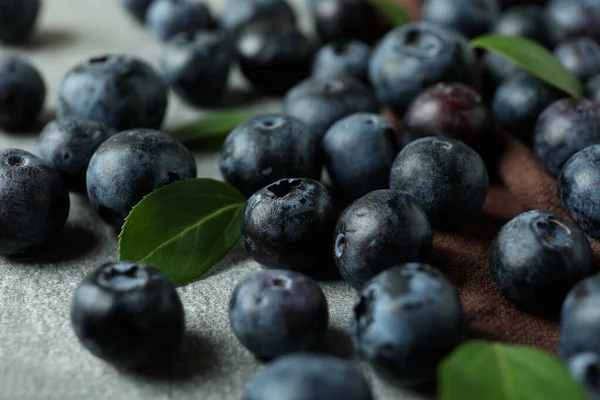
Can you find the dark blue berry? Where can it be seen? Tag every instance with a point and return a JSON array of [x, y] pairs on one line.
[[447, 177], [118, 91], [238, 14], [536, 258], [34, 203], [306, 376], [130, 165], [277, 312], [416, 56], [592, 89], [17, 19], [137, 8], [197, 68], [319, 103], [68, 144], [470, 17], [578, 185], [274, 56], [268, 148], [128, 314], [379, 230], [564, 128], [289, 225], [167, 18], [530, 21], [576, 18], [343, 58], [22, 94], [407, 319], [581, 56], [585, 368]]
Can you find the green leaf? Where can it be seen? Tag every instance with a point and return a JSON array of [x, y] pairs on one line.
[[393, 10], [183, 228], [534, 58], [211, 126], [493, 371]]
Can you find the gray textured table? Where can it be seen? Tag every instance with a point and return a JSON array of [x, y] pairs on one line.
[[40, 357]]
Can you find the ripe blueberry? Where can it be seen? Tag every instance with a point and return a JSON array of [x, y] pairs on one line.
[[377, 231], [34, 203], [268, 148], [238, 14], [592, 89], [576, 18], [407, 319], [130, 165], [581, 56], [529, 21], [289, 225], [343, 58], [167, 18], [118, 91], [137, 8], [128, 314], [470, 17], [585, 368], [276, 312], [17, 19]]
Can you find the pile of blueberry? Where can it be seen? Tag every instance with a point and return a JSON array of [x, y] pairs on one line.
[[370, 218]]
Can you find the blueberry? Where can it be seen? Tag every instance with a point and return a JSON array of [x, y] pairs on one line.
[[343, 58], [68, 144], [470, 17], [581, 56], [306, 376], [118, 91], [137, 8], [592, 89], [585, 368], [415, 56], [17, 19], [445, 176], [274, 56], [377, 231], [536, 258], [495, 68], [277, 312], [354, 174], [289, 225], [345, 19], [167, 18], [197, 68], [238, 14], [128, 314], [529, 21], [22, 94], [320, 103], [578, 185], [564, 128], [130, 165], [519, 100], [408, 318], [35, 203], [268, 148], [576, 17]]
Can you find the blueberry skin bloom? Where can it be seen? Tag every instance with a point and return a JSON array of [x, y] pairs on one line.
[[415, 56], [22, 94], [128, 314], [379, 230], [308, 376], [529, 21], [584, 368], [470, 17], [277, 312], [354, 174], [536, 258], [35, 203], [407, 319], [319, 103], [197, 69], [289, 225], [274, 56], [576, 18], [167, 18], [68, 144], [17, 19], [267, 148], [581, 56], [343, 58], [240, 13], [578, 185], [130, 165], [118, 91], [137, 8], [448, 178], [564, 128]]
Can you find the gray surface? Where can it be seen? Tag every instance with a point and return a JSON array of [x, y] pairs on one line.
[[40, 357]]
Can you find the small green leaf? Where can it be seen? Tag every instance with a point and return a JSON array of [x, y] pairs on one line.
[[480, 370], [534, 58], [211, 126], [183, 228], [393, 10]]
